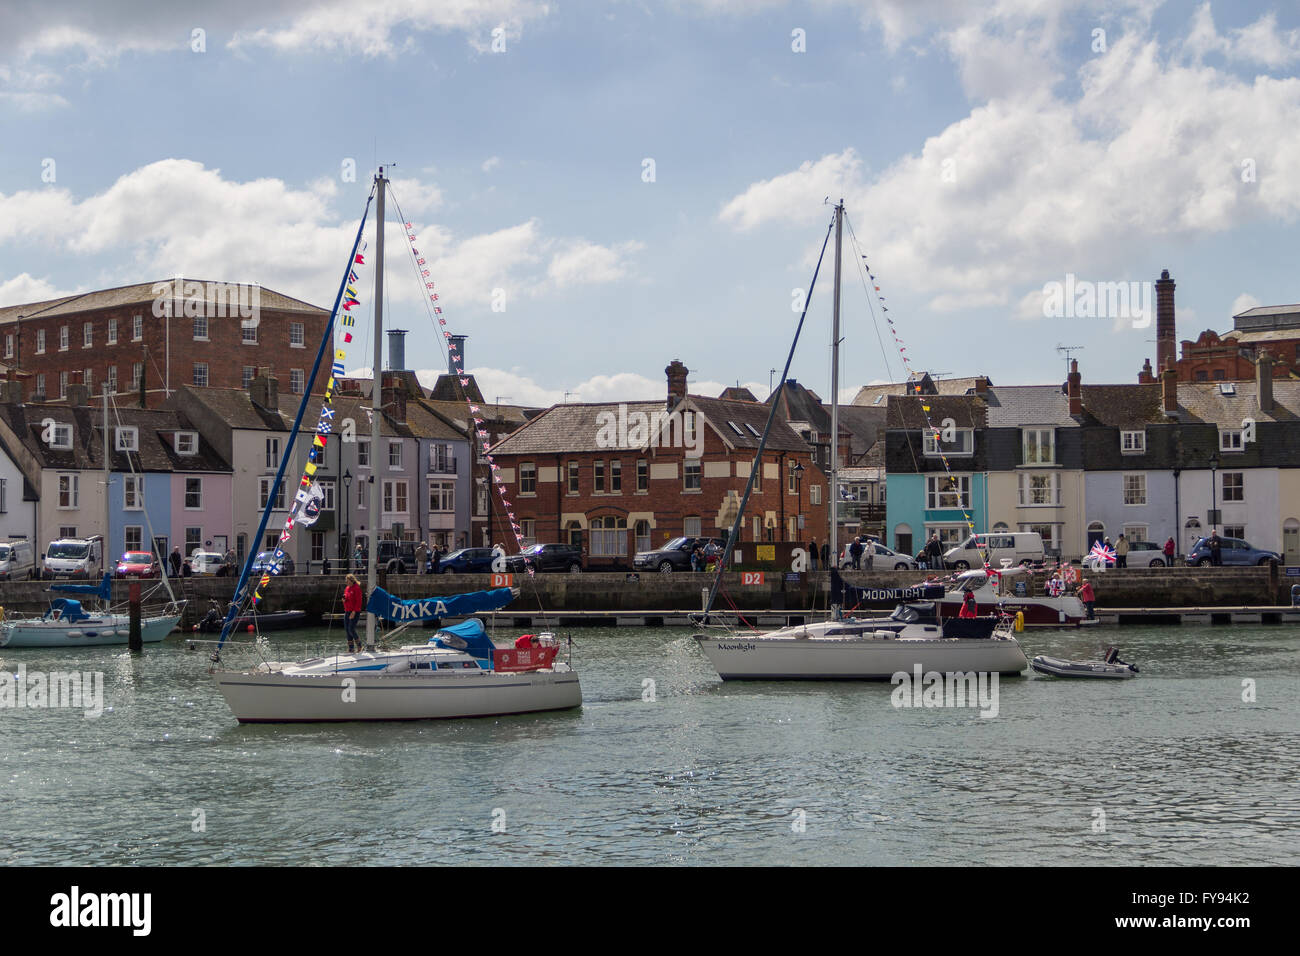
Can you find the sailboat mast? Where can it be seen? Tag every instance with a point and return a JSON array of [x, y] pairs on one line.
[[108, 476], [834, 495], [376, 405]]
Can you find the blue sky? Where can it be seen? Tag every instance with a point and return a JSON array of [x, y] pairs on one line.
[[983, 150]]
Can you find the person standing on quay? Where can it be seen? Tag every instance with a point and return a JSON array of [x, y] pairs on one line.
[[352, 605], [826, 554], [175, 560], [1121, 552], [935, 550], [1087, 596], [855, 552], [812, 554], [1170, 547]]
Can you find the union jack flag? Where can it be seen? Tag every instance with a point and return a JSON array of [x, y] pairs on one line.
[[1103, 553]]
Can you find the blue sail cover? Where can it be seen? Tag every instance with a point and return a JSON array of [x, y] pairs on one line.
[[103, 590], [66, 609], [382, 604], [468, 636]]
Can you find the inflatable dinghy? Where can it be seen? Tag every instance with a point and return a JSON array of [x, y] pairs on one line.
[[1112, 667]]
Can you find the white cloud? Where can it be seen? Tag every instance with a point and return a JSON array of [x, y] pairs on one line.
[[1243, 302], [1259, 42], [583, 263], [27, 288], [1027, 188], [491, 163], [177, 217], [516, 388]]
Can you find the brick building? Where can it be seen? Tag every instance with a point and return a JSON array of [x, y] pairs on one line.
[[1232, 356], [172, 333], [618, 478]]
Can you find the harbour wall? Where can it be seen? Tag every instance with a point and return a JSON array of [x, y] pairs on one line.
[[323, 594]]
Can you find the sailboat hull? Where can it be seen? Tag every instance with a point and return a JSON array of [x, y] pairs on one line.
[[275, 697], [865, 658], [95, 631]]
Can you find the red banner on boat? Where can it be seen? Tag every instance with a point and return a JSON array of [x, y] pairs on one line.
[[523, 658]]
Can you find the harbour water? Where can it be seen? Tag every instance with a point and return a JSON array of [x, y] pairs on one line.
[[666, 765]]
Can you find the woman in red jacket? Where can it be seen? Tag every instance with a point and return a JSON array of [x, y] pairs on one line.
[[352, 605]]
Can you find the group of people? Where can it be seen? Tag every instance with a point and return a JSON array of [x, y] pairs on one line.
[[1066, 579]]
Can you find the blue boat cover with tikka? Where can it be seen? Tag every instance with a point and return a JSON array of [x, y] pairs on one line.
[[103, 590], [382, 604]]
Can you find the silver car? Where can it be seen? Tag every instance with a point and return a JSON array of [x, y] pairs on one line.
[[884, 559]]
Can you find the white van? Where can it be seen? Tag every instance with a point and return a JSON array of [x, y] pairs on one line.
[[17, 560], [74, 558], [1018, 547]]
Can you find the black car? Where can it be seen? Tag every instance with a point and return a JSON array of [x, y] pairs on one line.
[[466, 561], [547, 557], [397, 557], [676, 554]]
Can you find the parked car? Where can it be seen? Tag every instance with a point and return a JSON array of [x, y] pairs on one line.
[[17, 560], [207, 563], [397, 557], [1231, 551], [138, 564], [1019, 547], [547, 557], [1141, 554], [466, 561], [262, 564], [676, 554], [884, 559]]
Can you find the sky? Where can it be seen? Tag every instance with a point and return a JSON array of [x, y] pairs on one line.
[[603, 187]]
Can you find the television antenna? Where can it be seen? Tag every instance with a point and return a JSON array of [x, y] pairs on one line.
[[1067, 349]]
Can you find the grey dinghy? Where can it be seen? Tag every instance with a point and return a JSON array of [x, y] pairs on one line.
[[1112, 668]]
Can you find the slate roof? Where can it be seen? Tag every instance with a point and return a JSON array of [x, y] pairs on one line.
[[1014, 406], [1123, 406], [968, 411], [574, 428], [1203, 402], [140, 293], [1268, 310], [155, 427], [737, 393]]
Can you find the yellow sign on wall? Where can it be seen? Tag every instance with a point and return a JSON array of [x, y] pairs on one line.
[[766, 552]]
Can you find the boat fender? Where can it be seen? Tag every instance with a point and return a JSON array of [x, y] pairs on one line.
[[883, 635], [1020, 621]]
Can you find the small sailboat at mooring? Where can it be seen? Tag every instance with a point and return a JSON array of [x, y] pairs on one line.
[[851, 648], [459, 672]]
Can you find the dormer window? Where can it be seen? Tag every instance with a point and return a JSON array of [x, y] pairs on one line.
[[128, 438], [186, 443], [1133, 442], [1039, 446], [963, 443], [59, 437], [1230, 439]]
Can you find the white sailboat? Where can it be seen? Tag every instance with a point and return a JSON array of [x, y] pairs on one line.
[[459, 672], [854, 648]]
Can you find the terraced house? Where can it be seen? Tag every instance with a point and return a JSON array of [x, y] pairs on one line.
[[617, 478]]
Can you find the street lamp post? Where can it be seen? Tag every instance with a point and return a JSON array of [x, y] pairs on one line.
[[347, 520], [1214, 493], [798, 498]]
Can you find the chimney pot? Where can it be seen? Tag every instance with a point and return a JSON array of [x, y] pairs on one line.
[[676, 373], [264, 390], [1074, 389]]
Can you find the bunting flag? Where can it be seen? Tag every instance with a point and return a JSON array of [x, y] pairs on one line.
[[307, 500], [456, 364]]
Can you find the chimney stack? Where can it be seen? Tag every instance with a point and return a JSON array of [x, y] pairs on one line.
[[397, 349], [676, 373], [1166, 349], [1147, 376], [1074, 389], [1169, 391], [459, 342], [78, 394], [264, 390], [1264, 380], [392, 394]]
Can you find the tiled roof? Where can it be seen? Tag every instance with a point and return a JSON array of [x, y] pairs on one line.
[[1269, 310], [155, 428], [141, 293], [576, 428], [1016, 405], [719, 413], [1205, 402], [1123, 405], [968, 411], [868, 394], [1263, 335]]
